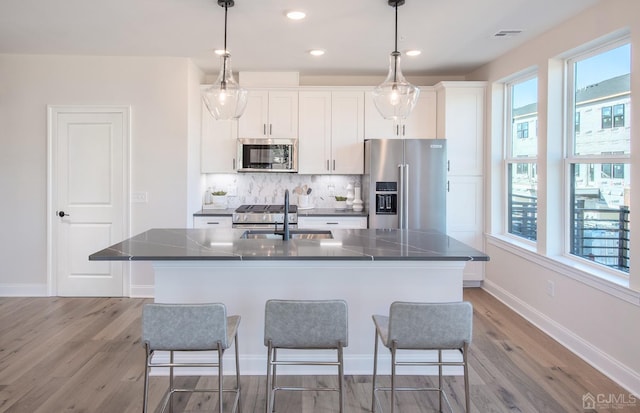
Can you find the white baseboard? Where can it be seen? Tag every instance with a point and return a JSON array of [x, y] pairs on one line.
[[23, 290], [606, 364], [142, 291]]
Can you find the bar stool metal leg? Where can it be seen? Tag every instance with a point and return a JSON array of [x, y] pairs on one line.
[[375, 371]]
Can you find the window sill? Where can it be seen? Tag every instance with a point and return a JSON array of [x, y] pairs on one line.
[[602, 280]]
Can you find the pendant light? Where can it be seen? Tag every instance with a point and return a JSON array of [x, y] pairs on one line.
[[225, 99], [395, 98]]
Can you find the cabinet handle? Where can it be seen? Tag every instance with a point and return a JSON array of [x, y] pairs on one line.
[[397, 130], [448, 186], [328, 165], [334, 164], [213, 223], [448, 166], [403, 129], [234, 164], [264, 129], [331, 223], [270, 129]]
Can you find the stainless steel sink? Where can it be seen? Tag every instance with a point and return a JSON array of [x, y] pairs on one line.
[[295, 234]]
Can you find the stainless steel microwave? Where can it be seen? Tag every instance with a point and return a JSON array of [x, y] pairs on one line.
[[267, 155]]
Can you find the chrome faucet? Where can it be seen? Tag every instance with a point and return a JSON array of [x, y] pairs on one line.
[[285, 224]]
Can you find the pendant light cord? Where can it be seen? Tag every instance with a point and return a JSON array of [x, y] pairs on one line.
[[224, 59], [395, 51], [396, 45]]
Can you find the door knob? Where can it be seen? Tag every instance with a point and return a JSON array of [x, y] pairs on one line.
[[61, 214]]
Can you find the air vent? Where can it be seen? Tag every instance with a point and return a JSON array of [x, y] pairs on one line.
[[507, 33]]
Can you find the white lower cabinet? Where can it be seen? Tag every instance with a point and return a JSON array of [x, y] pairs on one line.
[[332, 222], [213, 221], [465, 218]]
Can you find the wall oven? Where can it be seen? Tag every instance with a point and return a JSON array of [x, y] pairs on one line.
[[267, 155]]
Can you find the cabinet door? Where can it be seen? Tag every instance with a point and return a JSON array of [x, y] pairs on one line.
[[327, 223], [314, 144], [283, 114], [420, 124], [347, 132], [254, 120], [422, 121], [465, 217], [212, 222], [461, 122], [218, 149], [375, 126]]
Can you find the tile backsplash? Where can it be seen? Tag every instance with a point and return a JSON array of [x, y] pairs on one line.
[[268, 188]]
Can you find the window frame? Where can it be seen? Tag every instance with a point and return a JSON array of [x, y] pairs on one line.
[[570, 158], [509, 160]]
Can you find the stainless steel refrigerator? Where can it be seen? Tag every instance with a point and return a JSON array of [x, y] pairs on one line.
[[404, 183]]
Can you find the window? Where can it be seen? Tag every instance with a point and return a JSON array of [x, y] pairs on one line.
[[598, 167], [618, 116], [606, 117], [523, 130], [522, 144]]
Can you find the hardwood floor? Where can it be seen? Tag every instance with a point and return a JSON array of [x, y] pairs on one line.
[[84, 355]]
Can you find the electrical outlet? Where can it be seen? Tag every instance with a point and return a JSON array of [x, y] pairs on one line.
[[139, 198], [551, 288]]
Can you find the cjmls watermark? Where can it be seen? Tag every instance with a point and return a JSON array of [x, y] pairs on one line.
[[609, 401]]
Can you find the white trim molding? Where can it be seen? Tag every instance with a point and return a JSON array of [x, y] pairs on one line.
[[602, 361]]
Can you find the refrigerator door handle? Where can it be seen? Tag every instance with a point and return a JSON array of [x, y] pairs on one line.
[[401, 190], [405, 194]]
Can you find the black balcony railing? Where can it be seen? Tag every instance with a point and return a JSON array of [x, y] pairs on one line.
[[524, 216], [599, 235]]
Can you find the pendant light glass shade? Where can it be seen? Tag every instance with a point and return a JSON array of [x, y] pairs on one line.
[[395, 98], [225, 99]]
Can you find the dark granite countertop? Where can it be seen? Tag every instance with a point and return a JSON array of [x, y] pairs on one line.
[[320, 212], [347, 244]]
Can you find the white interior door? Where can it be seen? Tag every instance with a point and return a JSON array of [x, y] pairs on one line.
[[88, 193]]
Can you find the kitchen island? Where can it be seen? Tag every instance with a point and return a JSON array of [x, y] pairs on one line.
[[369, 268]]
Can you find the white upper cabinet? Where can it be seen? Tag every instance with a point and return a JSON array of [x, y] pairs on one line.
[[314, 144], [461, 122], [218, 144], [331, 132], [347, 132], [420, 124], [270, 114]]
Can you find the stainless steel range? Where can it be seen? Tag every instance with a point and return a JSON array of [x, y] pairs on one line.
[[264, 216]]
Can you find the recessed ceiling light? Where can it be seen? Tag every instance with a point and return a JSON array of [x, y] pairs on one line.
[[296, 15], [316, 52], [413, 52], [219, 52]]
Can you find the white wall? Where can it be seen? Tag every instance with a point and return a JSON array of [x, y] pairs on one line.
[[600, 321], [157, 91]]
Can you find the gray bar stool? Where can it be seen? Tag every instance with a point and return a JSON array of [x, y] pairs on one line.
[[189, 327], [423, 326], [304, 325]]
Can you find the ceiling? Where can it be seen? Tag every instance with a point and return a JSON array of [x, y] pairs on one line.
[[455, 36]]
